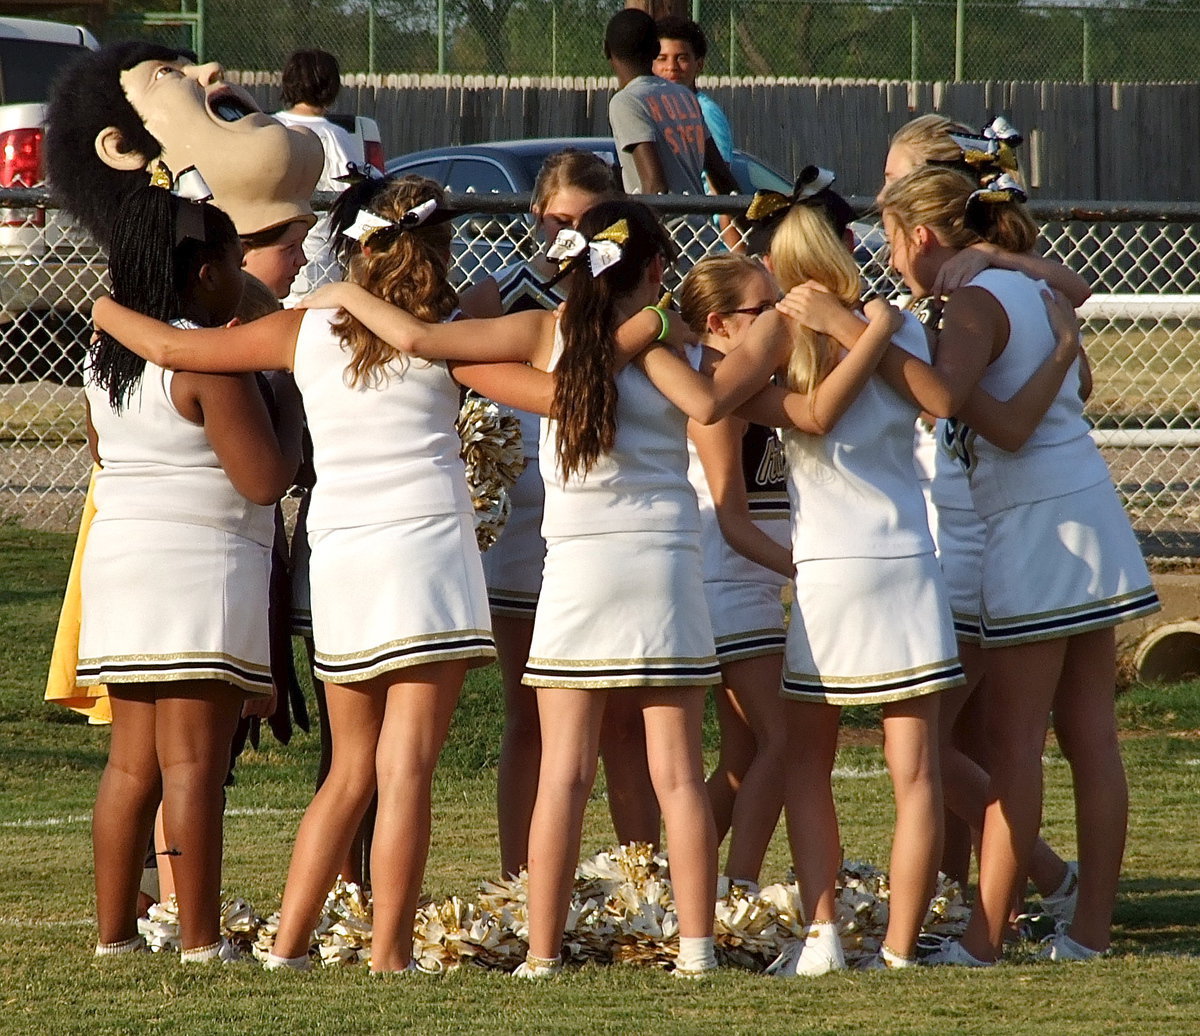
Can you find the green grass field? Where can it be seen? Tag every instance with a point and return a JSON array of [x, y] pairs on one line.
[[50, 983]]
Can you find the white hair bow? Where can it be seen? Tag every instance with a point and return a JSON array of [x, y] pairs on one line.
[[570, 244], [367, 223]]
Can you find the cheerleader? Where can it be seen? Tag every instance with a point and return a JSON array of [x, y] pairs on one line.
[[616, 610], [738, 472], [176, 627], [1050, 514], [569, 183], [399, 604], [957, 529], [863, 555]]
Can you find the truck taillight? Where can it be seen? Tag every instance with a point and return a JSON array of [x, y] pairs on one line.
[[21, 166], [373, 152]]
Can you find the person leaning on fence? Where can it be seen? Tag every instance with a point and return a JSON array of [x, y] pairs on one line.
[[1061, 566], [663, 144]]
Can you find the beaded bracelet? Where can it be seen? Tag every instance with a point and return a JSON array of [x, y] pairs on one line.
[[662, 315]]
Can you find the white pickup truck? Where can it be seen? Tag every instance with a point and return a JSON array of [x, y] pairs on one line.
[[47, 269]]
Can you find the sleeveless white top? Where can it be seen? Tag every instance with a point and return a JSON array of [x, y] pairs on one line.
[[383, 451], [854, 491], [158, 465], [764, 472], [641, 484], [1059, 457]]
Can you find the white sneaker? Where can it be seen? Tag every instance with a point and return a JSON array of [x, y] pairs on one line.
[[118, 949], [819, 953], [953, 954], [1061, 903], [537, 969], [886, 960], [1061, 947]]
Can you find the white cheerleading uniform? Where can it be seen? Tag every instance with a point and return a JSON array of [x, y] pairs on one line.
[[513, 565], [960, 535], [870, 621], [622, 601], [1060, 557], [395, 571], [744, 599], [177, 564]]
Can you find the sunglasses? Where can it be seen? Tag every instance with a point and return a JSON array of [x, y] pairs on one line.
[[754, 311]]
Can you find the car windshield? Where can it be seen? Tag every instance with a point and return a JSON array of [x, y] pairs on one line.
[[27, 68]]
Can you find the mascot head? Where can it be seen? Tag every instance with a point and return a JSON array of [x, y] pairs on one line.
[[115, 111]]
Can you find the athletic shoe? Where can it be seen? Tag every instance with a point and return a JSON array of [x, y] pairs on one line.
[[953, 954], [1061, 903]]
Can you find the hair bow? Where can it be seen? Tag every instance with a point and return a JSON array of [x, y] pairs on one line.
[[366, 223], [1000, 191], [990, 153], [356, 173], [767, 205], [189, 187], [603, 250], [1001, 129]]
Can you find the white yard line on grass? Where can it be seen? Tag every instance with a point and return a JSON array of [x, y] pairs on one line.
[[85, 818]]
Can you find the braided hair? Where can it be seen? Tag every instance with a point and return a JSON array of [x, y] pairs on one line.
[[151, 273]]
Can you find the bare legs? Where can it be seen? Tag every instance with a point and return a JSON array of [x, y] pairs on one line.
[[1020, 689], [123, 816], [571, 721], [910, 748], [811, 817], [631, 802], [1086, 727], [964, 765], [521, 745], [745, 788], [389, 731], [169, 739]]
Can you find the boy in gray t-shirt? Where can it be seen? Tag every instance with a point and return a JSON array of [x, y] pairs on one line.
[[662, 142]]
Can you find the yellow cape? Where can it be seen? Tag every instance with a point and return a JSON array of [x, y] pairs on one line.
[[60, 682]]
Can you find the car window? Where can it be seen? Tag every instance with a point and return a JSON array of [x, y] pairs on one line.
[[752, 176], [27, 67], [478, 175], [431, 169]]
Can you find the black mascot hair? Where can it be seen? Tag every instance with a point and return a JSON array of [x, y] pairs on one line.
[[86, 98]]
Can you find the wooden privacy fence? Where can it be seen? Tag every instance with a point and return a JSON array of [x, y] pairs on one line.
[[1126, 141]]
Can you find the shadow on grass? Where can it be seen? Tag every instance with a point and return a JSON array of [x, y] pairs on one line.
[[1159, 915]]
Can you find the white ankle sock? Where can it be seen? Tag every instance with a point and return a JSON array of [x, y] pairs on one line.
[[114, 949], [696, 954], [273, 962]]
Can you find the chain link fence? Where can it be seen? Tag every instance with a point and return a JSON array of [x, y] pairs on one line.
[[929, 39], [1142, 331]]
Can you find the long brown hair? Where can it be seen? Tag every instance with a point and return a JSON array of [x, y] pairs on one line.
[[585, 394], [583, 170], [406, 266]]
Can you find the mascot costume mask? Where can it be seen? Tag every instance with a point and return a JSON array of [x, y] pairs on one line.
[[116, 112]]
